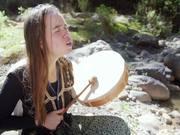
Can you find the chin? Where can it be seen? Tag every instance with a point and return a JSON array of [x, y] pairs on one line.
[[69, 51]]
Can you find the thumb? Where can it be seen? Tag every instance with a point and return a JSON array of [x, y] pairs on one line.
[[60, 111]]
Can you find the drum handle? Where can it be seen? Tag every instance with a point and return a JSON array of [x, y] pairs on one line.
[[91, 82]]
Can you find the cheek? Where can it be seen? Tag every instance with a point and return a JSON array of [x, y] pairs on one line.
[[58, 41], [48, 41]]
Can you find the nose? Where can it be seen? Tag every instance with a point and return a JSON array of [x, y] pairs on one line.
[[67, 36]]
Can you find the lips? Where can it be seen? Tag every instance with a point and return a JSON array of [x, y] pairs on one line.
[[69, 43]]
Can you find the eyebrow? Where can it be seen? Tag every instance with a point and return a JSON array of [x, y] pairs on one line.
[[57, 26]]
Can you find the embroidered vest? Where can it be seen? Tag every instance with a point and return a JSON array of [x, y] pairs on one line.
[[65, 95]]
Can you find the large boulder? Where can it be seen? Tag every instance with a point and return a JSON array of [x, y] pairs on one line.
[[156, 89], [145, 40], [173, 62], [89, 49], [156, 70]]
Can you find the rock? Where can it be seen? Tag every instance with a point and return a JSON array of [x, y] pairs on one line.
[[13, 132], [150, 123], [175, 114], [173, 42], [140, 95], [145, 54], [145, 40], [95, 17], [177, 121], [161, 42], [162, 110], [131, 54], [87, 50], [123, 95], [153, 87], [172, 61], [155, 70], [177, 132], [1, 55], [14, 66], [167, 118], [123, 38], [173, 87], [121, 19], [170, 78]]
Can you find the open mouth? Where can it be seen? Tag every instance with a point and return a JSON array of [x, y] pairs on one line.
[[69, 43]]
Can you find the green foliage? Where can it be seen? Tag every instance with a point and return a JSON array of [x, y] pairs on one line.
[[80, 36], [135, 25], [154, 22], [157, 24], [121, 27], [167, 7], [3, 19], [13, 53], [11, 39], [163, 7], [93, 27], [83, 4], [106, 15]]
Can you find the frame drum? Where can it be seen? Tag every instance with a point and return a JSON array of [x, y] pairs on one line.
[[110, 70]]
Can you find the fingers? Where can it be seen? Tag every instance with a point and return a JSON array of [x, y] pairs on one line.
[[61, 118]]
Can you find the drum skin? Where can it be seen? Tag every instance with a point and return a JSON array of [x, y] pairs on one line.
[[111, 72]]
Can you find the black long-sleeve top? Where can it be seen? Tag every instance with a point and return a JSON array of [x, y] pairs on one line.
[[10, 94], [16, 87]]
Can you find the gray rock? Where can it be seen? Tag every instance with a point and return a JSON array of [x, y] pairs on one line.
[[145, 40], [167, 118], [89, 49], [155, 70], [150, 123], [1, 55], [153, 87], [175, 114], [173, 62], [173, 87], [141, 96]]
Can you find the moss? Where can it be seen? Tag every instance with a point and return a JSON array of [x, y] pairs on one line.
[[121, 27], [80, 36], [135, 25], [13, 53], [74, 21], [10, 36], [11, 41]]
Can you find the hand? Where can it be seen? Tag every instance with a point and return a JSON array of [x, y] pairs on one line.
[[53, 119]]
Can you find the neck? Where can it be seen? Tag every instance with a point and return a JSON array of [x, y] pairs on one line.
[[52, 77]]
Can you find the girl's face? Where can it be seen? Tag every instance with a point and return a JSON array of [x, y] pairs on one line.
[[57, 35]]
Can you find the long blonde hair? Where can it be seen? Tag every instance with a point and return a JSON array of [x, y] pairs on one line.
[[37, 52]]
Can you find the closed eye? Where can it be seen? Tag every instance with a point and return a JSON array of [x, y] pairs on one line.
[[60, 28]]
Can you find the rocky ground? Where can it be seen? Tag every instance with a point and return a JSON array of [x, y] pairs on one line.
[[144, 110]]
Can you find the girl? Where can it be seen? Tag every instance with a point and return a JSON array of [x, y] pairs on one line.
[[45, 83]]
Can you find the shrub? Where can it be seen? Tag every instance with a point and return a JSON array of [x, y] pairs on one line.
[[3, 19], [83, 4], [107, 15], [154, 22]]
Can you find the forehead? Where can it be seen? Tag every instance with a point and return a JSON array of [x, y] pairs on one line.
[[54, 19]]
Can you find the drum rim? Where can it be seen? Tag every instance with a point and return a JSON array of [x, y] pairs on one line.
[[112, 94]]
